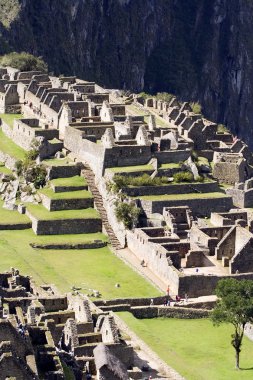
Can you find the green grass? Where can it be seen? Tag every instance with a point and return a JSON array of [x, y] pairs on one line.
[[79, 194], [75, 181], [58, 162], [68, 239], [41, 213], [92, 268], [4, 170], [129, 169], [172, 197], [171, 165], [11, 217], [9, 118], [195, 348], [7, 146]]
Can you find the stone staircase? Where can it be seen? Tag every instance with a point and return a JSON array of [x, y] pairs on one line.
[[98, 200]]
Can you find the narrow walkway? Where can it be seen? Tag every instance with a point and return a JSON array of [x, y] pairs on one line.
[[128, 256], [98, 200]]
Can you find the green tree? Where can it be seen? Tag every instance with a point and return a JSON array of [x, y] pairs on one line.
[[127, 213], [235, 306]]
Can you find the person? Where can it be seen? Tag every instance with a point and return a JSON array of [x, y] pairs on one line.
[[168, 290], [151, 302], [168, 302], [164, 302], [178, 299], [186, 297]]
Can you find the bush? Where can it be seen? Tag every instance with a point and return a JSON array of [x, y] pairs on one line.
[[144, 180], [23, 61], [196, 107], [164, 96], [127, 214], [183, 177], [222, 129]]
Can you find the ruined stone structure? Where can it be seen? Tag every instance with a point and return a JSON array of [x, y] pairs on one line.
[[185, 176]]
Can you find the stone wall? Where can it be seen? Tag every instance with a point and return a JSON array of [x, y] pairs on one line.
[[171, 189], [200, 206], [65, 226], [155, 257], [172, 156], [168, 312], [66, 204]]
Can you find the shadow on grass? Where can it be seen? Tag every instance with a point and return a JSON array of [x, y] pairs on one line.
[[247, 369]]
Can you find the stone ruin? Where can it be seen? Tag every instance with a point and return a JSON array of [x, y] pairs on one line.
[[190, 233], [42, 331]]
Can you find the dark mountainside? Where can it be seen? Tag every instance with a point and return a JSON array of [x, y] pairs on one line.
[[201, 50]]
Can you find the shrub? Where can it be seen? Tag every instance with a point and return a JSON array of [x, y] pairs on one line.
[[183, 177], [23, 61], [143, 180], [196, 107], [222, 129], [164, 96], [128, 214]]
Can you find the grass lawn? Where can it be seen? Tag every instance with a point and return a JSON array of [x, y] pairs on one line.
[[75, 181], [69, 239], [9, 147], [171, 165], [41, 213], [4, 170], [79, 194], [92, 268], [58, 161], [182, 196], [9, 118], [195, 348], [129, 169], [11, 217]]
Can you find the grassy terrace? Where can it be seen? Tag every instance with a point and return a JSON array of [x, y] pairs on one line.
[[171, 165], [72, 181], [9, 118], [7, 146], [196, 349], [129, 169], [58, 162], [79, 194], [172, 197], [92, 268], [41, 213], [68, 239], [11, 217]]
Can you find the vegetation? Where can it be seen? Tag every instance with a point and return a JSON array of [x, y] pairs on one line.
[[75, 181], [234, 306], [183, 196], [196, 107], [79, 194], [23, 61], [121, 181], [129, 169], [9, 10], [194, 347], [9, 147], [184, 176], [128, 214], [58, 162], [164, 96], [41, 213], [9, 118], [11, 217], [30, 171], [222, 129], [92, 268]]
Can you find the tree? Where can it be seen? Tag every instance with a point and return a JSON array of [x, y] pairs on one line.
[[235, 306], [127, 213]]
